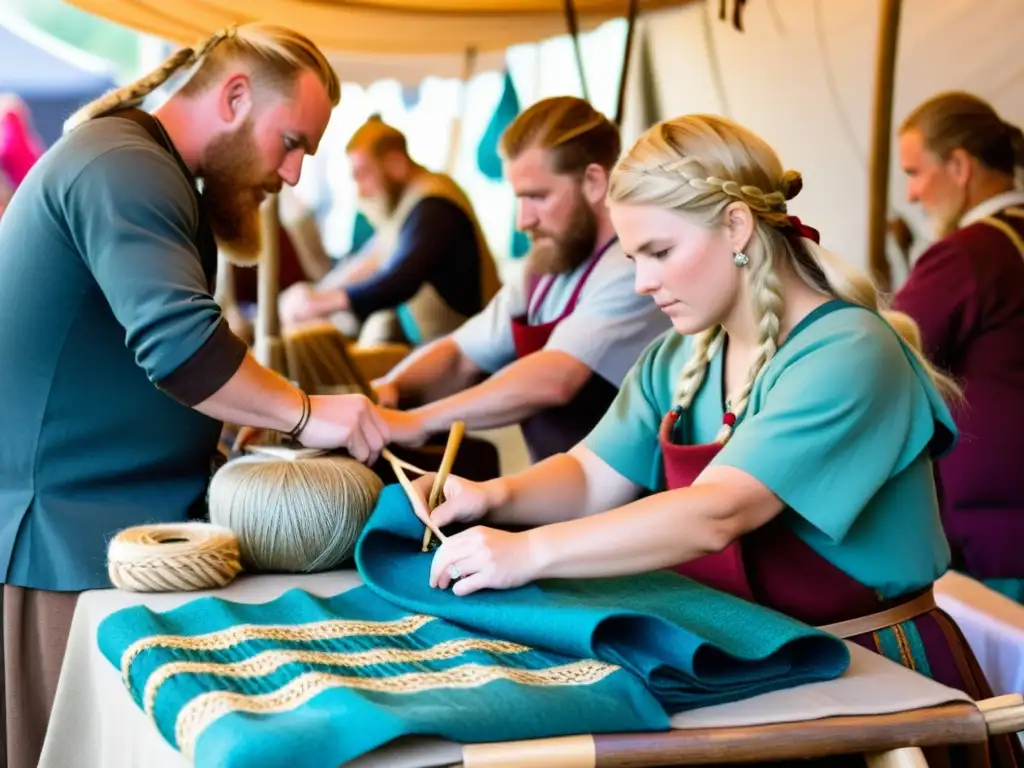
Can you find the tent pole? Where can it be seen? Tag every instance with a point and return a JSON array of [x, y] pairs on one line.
[[455, 134], [881, 139], [627, 55], [574, 29]]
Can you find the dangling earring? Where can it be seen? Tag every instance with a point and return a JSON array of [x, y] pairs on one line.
[[740, 259]]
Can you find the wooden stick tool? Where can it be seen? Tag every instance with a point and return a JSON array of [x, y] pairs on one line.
[[417, 503], [451, 450]]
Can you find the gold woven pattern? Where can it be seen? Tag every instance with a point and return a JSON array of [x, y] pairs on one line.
[[268, 662], [196, 716], [317, 630], [1007, 230]]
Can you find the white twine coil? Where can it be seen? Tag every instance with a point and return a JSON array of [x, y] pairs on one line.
[[173, 557]]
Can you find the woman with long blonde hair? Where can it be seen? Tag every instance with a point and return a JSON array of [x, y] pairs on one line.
[[778, 444]]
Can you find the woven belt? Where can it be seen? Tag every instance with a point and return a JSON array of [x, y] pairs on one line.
[[887, 618]]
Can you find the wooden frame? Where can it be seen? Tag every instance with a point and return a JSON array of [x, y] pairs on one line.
[[886, 740]]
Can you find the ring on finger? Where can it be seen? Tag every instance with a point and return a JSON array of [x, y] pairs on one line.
[[453, 571]]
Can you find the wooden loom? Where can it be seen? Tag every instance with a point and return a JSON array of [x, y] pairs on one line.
[[887, 740]]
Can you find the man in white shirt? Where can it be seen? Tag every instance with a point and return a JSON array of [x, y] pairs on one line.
[[548, 352]]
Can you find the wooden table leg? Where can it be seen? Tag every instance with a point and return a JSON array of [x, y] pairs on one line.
[[905, 757]]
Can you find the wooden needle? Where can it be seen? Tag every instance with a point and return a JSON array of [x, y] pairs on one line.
[[414, 499], [451, 450]]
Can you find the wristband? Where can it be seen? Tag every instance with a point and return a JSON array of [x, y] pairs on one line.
[[307, 410]]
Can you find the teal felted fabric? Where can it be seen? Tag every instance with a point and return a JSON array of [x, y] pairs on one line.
[[691, 645], [309, 683], [306, 682]]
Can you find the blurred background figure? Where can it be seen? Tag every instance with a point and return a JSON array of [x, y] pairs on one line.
[[20, 145]]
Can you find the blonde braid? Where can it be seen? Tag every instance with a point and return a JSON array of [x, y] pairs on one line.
[[692, 375], [133, 94], [766, 289]]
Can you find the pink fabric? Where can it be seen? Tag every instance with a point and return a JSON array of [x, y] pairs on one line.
[[20, 148]]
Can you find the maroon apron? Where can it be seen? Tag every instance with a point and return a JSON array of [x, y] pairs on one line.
[[557, 429], [771, 566]]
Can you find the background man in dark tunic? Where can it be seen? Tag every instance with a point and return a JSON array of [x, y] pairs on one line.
[[966, 293]]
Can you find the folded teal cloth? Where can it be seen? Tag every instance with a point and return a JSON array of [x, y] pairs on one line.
[[307, 682]]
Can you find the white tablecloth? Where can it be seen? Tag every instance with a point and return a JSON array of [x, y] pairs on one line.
[[95, 723], [993, 625]]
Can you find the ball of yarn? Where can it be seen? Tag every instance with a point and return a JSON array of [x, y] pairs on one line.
[[294, 515], [173, 557]]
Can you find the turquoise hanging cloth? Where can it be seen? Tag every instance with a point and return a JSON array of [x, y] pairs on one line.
[[489, 161], [362, 231], [487, 158], [307, 682]]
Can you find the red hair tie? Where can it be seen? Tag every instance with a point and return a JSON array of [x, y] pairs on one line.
[[803, 230]]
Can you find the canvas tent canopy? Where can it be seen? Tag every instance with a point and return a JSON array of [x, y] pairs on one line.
[[357, 28]]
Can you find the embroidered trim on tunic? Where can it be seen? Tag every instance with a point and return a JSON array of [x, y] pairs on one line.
[[1007, 230]]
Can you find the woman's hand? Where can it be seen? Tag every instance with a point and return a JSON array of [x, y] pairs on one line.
[[483, 558], [464, 500]]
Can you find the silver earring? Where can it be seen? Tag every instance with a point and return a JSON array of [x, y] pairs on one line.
[[740, 259]]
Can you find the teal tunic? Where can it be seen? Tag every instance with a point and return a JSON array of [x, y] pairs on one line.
[[108, 334], [842, 425]]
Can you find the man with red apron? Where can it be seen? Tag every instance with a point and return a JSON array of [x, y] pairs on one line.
[[551, 349]]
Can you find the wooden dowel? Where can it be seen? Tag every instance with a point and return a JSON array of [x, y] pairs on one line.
[[1003, 714], [414, 499], [451, 450]]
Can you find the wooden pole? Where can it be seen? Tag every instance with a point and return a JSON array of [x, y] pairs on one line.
[[881, 140], [268, 349]]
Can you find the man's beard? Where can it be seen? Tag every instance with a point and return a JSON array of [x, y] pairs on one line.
[[232, 193], [380, 208], [946, 221], [563, 252]]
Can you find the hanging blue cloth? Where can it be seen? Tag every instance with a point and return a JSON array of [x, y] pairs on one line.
[[362, 231], [488, 160], [307, 682]]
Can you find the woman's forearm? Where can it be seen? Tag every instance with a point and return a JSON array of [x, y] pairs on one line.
[[550, 491], [653, 533]]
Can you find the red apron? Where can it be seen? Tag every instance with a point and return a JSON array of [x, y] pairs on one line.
[[771, 566], [556, 430]]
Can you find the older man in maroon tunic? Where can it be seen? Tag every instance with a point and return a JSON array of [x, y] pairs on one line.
[[966, 293]]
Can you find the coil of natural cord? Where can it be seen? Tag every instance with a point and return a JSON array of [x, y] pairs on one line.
[[294, 515], [173, 557]]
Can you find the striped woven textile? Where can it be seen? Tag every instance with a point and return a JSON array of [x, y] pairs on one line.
[[308, 682]]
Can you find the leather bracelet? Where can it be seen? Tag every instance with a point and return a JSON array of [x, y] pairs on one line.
[[307, 410]]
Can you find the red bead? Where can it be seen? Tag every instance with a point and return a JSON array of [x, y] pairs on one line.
[[729, 419]]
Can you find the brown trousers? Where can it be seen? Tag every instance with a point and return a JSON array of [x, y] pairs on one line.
[[35, 630]]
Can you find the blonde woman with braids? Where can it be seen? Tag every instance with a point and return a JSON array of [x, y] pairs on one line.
[[118, 366], [777, 444]]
